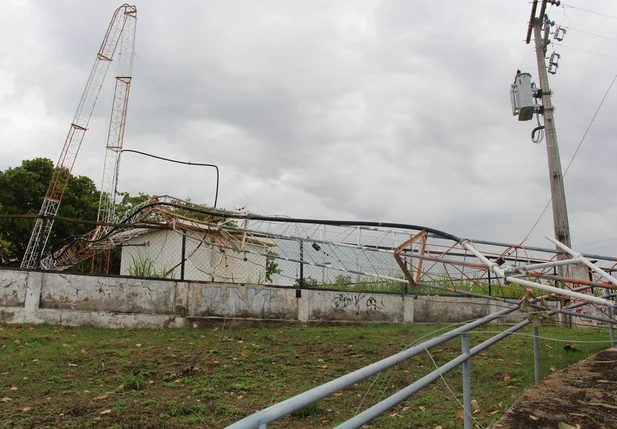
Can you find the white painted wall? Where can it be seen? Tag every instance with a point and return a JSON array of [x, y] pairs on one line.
[[205, 261]]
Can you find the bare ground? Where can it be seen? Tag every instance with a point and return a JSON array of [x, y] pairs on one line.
[[584, 396]]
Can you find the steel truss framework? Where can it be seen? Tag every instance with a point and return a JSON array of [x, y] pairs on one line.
[[372, 253], [118, 43]]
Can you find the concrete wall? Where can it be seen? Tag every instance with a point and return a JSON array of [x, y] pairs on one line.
[[35, 297]]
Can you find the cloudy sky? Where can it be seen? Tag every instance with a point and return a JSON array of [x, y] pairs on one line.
[[393, 110]]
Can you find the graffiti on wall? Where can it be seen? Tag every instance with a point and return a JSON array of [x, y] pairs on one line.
[[238, 300], [356, 303]]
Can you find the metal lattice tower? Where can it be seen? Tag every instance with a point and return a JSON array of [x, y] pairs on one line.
[[123, 21]]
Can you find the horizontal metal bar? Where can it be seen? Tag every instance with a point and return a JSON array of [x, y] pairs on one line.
[[375, 411], [585, 261], [299, 401], [548, 264], [539, 249], [383, 406], [558, 291]]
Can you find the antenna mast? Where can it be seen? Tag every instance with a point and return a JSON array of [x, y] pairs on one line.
[[123, 19]]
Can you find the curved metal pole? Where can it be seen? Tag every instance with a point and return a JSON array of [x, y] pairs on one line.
[[216, 195]]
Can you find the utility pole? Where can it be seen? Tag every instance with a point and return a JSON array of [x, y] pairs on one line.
[[558, 195]]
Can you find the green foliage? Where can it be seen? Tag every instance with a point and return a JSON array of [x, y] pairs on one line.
[[272, 267], [146, 267], [21, 192], [127, 203], [342, 280], [308, 282]]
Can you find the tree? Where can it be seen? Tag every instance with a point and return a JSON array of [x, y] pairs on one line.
[[21, 192]]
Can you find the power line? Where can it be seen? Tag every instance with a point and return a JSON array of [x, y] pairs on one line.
[[591, 34], [589, 52], [179, 118], [590, 11], [573, 156]]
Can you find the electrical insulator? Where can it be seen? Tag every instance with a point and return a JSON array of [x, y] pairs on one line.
[[522, 97], [553, 63], [560, 32]]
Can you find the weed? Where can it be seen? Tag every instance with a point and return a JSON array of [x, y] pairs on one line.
[[309, 410]]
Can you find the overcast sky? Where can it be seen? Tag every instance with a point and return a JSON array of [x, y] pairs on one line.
[[394, 110]]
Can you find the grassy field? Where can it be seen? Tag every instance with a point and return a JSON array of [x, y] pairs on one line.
[[60, 377]]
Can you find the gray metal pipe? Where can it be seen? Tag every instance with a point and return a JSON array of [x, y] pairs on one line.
[[383, 406], [467, 415], [536, 355], [303, 399]]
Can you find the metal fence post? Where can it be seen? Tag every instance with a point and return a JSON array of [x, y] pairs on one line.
[[467, 383], [611, 326], [536, 355], [301, 285], [183, 257]]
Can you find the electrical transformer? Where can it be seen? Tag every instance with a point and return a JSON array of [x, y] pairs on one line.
[[521, 96]]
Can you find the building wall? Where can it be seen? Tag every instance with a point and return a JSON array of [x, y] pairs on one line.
[[205, 260], [35, 297]]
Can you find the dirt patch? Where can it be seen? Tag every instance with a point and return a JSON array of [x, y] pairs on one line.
[[583, 394]]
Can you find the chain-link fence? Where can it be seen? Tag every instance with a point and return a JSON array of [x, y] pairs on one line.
[[240, 249]]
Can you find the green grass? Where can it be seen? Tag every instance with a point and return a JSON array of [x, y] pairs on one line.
[[211, 377]]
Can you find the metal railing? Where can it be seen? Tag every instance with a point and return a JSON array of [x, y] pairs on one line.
[[261, 419]]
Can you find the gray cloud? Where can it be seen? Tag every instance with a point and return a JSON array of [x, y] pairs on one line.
[[393, 110]]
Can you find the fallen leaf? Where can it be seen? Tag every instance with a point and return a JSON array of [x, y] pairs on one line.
[[98, 398], [5, 400], [553, 368], [507, 377], [475, 405], [534, 418], [493, 412], [338, 394], [13, 388], [72, 364], [26, 409], [563, 425], [438, 427], [105, 412], [137, 345], [393, 415], [422, 408], [547, 346], [460, 414], [35, 360], [17, 341], [239, 397], [84, 352]]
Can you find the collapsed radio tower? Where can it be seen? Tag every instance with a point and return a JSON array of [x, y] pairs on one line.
[[119, 42]]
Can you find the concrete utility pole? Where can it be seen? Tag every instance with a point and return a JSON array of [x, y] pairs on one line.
[[558, 195]]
